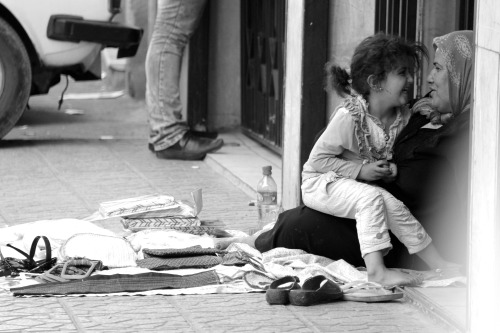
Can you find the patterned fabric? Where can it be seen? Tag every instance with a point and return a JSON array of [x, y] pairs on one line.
[[190, 225], [235, 259], [99, 284], [159, 264], [190, 257], [458, 51], [159, 223], [177, 253], [373, 142]]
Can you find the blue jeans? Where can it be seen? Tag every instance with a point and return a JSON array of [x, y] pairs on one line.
[[175, 22]]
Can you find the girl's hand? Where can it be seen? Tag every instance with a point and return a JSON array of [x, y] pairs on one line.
[[394, 172], [374, 171]]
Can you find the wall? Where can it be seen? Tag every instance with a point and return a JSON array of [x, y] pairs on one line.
[[350, 22], [439, 18], [137, 14], [484, 192], [224, 81]]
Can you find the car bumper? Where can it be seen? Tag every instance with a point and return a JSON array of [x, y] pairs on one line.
[[108, 34]]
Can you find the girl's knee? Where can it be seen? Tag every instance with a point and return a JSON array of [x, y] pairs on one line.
[[370, 197]]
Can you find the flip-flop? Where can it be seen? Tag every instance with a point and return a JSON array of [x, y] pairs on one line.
[[279, 290], [369, 292], [316, 290], [257, 280]]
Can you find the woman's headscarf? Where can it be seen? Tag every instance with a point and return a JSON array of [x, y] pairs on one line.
[[458, 50]]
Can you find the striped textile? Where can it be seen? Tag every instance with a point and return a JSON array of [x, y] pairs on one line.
[[104, 284], [176, 253], [161, 264]]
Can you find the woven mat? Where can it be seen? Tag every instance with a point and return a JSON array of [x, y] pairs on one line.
[[121, 283]]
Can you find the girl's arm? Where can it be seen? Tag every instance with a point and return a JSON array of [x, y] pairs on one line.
[[337, 139]]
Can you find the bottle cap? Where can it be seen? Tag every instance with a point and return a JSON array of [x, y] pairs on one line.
[[266, 170]]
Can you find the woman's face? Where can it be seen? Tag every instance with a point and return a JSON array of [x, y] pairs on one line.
[[439, 84]]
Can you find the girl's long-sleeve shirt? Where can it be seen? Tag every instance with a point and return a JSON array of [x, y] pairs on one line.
[[353, 137]]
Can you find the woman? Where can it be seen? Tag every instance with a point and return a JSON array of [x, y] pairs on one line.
[[432, 161]]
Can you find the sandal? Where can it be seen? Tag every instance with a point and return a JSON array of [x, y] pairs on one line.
[[315, 290], [279, 290], [257, 280], [369, 292]]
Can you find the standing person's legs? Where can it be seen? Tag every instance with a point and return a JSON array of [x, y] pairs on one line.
[[176, 21]]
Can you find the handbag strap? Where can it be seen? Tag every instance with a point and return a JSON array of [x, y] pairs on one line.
[[48, 250], [31, 256], [19, 250]]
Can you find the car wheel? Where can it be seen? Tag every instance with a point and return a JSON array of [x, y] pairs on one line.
[[15, 78]]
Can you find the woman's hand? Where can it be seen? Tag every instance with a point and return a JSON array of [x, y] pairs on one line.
[[375, 171], [423, 106]]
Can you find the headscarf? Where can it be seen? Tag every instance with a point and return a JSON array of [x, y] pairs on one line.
[[458, 50]]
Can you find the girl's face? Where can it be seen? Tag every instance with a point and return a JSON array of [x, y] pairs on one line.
[[439, 84], [396, 86]]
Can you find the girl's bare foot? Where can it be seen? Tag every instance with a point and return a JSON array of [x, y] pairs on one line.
[[393, 277]]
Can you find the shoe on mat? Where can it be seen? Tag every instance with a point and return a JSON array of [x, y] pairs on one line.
[[369, 292], [278, 290], [316, 290], [190, 147]]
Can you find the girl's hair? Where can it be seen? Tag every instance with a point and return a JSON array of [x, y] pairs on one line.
[[376, 55]]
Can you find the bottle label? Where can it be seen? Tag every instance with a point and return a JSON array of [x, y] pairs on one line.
[[267, 198]]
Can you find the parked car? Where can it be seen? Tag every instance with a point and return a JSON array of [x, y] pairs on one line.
[[40, 40]]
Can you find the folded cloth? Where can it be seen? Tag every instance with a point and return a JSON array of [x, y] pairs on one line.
[[235, 259], [137, 205], [98, 284], [160, 264], [113, 251], [178, 253]]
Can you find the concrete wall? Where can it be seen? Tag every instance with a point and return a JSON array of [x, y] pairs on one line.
[[350, 22], [224, 81], [137, 13], [484, 191], [439, 18]]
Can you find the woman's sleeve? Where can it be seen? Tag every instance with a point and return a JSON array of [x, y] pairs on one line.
[[338, 137]]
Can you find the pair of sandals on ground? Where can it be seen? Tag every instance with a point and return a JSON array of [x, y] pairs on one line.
[[319, 289]]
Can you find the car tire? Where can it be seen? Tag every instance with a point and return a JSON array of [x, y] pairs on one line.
[[15, 77]]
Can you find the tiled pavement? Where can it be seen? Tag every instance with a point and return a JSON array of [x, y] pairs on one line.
[[55, 165]]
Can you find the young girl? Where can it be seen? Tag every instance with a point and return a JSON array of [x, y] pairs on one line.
[[355, 149]]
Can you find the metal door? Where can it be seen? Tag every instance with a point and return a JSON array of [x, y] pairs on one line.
[[262, 66]]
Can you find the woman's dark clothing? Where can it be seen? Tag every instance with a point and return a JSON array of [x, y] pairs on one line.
[[432, 182]]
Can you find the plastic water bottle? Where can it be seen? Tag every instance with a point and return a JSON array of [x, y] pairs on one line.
[[267, 198]]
